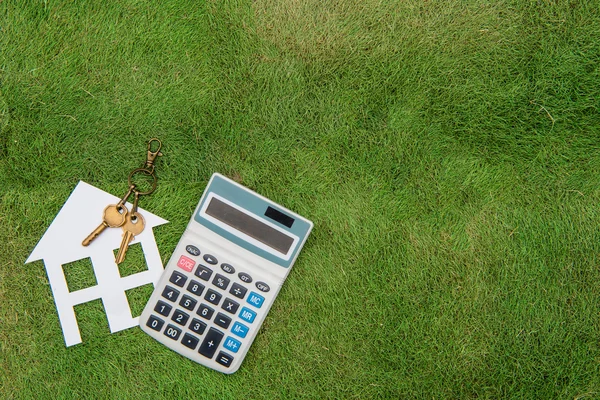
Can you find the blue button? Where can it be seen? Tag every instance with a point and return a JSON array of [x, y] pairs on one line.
[[240, 330], [232, 345], [247, 315], [255, 299]]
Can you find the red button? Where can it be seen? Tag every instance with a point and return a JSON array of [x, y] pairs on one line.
[[186, 263]]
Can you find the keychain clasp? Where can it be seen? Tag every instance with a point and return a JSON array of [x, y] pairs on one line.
[[152, 155]]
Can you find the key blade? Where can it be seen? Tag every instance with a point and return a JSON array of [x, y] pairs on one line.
[[94, 234], [127, 238]]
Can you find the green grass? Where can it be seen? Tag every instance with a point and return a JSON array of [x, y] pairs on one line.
[[448, 153]]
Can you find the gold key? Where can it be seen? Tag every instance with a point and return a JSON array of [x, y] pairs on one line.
[[113, 217], [133, 226]]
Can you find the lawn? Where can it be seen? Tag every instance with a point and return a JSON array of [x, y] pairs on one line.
[[448, 153]]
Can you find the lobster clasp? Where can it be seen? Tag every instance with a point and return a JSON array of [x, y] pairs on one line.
[[152, 154]]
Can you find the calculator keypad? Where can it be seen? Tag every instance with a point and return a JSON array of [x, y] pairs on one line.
[[207, 310]]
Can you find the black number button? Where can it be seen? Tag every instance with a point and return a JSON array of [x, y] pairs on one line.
[[188, 303], [205, 311], [197, 326], [163, 308], [228, 268], [212, 296], [180, 317], [224, 359], [263, 287], [245, 277], [172, 331], [211, 342], [220, 281], [195, 287], [178, 279], [190, 341], [155, 323], [238, 290], [203, 272], [230, 306], [170, 293], [210, 259], [193, 250], [222, 320]]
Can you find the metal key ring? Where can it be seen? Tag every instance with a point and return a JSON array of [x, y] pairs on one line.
[[145, 171]]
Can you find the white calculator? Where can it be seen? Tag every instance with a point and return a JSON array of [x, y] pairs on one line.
[[224, 275]]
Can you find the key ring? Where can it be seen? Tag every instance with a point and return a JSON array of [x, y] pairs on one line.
[[147, 173]]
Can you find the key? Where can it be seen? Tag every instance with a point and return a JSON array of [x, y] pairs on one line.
[[113, 217], [133, 226]]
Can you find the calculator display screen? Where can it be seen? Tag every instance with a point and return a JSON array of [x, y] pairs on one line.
[[249, 225]]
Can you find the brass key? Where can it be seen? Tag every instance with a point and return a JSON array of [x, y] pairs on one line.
[[113, 217], [133, 226]]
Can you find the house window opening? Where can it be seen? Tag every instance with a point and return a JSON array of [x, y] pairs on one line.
[[135, 261], [79, 274]]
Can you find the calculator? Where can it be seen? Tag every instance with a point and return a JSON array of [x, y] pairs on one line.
[[224, 275]]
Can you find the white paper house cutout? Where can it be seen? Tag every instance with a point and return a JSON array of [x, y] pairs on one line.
[[61, 244]]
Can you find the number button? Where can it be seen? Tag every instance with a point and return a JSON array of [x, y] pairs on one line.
[[230, 305], [232, 344], [205, 311], [228, 268], [203, 272], [186, 263], [190, 341], [180, 317], [170, 293], [247, 315], [220, 281], [238, 290], [255, 299], [222, 320], [172, 332], [155, 323], [240, 330], [188, 303], [163, 308], [212, 297], [178, 279], [195, 287], [245, 277], [197, 326]]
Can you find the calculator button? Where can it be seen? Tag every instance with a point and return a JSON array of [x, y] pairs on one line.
[[205, 311], [178, 279], [190, 341], [263, 287], [186, 263], [163, 308], [228, 268], [222, 320], [197, 326], [245, 277], [193, 250], [224, 359], [230, 306], [240, 330], [203, 272], [220, 281], [212, 296], [210, 259], [195, 287], [255, 299], [170, 293], [232, 344], [238, 290], [155, 323], [172, 331], [247, 315], [188, 303], [211, 342], [180, 317]]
